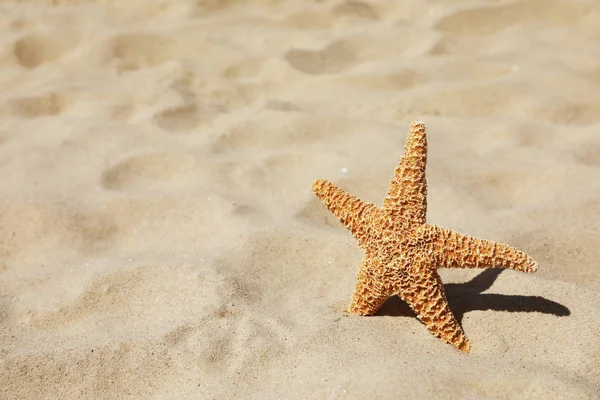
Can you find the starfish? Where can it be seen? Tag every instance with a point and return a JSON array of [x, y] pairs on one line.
[[402, 252]]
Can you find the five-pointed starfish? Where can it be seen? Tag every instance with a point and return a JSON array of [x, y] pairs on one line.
[[403, 252]]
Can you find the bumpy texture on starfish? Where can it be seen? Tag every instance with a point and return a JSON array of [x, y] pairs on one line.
[[403, 252]]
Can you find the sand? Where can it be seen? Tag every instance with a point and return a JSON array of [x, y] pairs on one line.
[[158, 234]]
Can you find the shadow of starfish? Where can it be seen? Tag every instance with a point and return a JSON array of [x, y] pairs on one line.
[[469, 296]]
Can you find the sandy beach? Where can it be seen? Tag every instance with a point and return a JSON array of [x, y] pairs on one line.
[[159, 238]]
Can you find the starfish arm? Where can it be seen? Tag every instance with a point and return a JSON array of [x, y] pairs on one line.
[[454, 250], [354, 213], [369, 295], [407, 194], [424, 293]]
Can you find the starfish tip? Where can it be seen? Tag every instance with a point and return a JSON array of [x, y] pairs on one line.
[[534, 267], [465, 347], [417, 125], [317, 184]]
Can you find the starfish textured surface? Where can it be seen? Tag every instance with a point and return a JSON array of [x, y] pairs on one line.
[[403, 252]]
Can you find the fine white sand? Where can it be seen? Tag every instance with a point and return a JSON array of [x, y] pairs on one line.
[[158, 234]]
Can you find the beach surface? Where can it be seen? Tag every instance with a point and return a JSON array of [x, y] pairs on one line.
[[159, 238]]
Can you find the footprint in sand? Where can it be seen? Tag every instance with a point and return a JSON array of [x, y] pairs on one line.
[[282, 105], [178, 119], [185, 118], [45, 105], [316, 19], [197, 107], [487, 20], [386, 81], [141, 50], [353, 8], [34, 50], [154, 171], [334, 58]]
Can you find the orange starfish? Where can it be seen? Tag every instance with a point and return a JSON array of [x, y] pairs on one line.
[[403, 252]]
